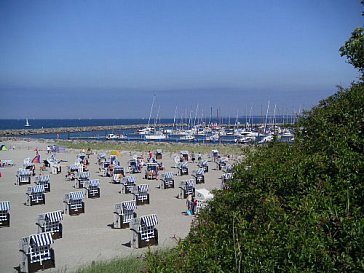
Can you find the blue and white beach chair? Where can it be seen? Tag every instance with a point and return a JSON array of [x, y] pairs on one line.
[[45, 181], [35, 195], [118, 174], [187, 187], [203, 164], [224, 179], [92, 188], [73, 203], [36, 252], [127, 185], [183, 168], [124, 213], [23, 177], [82, 178], [51, 222], [5, 213], [199, 175], [141, 194], [167, 180], [144, 232]]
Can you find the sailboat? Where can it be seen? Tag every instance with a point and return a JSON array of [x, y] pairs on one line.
[[27, 123]]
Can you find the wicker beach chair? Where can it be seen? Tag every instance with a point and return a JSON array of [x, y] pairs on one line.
[[73, 203], [5, 213], [36, 252], [144, 232], [35, 195], [124, 213], [167, 180], [51, 222], [141, 194]]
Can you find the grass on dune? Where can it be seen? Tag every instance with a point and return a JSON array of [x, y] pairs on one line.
[[118, 265], [147, 146]]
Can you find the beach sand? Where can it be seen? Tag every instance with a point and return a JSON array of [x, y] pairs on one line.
[[88, 237]]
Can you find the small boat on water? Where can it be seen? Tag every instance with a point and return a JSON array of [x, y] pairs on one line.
[[115, 137], [27, 123]]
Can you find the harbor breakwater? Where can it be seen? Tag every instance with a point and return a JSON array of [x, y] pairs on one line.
[[28, 131]]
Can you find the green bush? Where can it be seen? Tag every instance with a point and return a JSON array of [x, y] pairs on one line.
[[289, 207]]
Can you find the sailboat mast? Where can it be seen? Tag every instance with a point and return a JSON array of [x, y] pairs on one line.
[[151, 109], [174, 117], [266, 117]]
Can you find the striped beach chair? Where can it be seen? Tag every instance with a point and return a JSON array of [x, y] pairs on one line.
[[141, 194], [74, 168], [45, 181], [144, 232], [221, 162], [124, 213], [92, 188], [101, 157], [29, 165], [82, 178], [199, 175], [167, 180], [224, 179], [51, 222], [133, 166], [73, 203], [228, 168], [184, 155], [186, 187], [203, 164], [23, 177], [128, 183], [118, 174], [183, 168], [36, 252], [151, 171], [5, 213], [35, 195], [104, 165]]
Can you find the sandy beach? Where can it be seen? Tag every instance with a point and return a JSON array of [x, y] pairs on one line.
[[89, 237]]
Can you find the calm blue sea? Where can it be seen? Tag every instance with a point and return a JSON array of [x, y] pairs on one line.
[[57, 123]]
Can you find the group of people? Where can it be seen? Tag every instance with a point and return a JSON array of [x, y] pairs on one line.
[[191, 204]]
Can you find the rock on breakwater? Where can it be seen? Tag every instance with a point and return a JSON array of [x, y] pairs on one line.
[[24, 132]]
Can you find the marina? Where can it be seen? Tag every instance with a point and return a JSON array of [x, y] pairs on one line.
[[200, 133]]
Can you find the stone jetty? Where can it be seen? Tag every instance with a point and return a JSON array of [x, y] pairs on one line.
[[28, 131]]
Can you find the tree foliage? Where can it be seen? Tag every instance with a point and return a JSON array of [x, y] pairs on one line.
[[353, 49], [289, 208]]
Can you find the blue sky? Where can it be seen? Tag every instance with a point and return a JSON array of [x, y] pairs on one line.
[[106, 59]]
